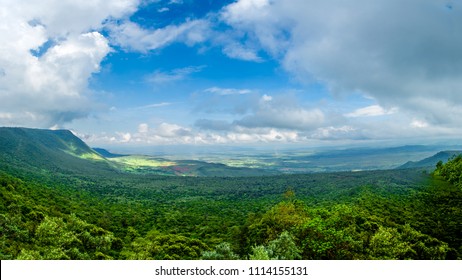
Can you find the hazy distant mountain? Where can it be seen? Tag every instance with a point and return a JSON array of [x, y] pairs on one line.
[[443, 156]]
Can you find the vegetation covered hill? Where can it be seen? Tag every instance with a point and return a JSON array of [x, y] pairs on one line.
[[431, 162], [451, 171], [39, 150], [53, 211], [60, 151]]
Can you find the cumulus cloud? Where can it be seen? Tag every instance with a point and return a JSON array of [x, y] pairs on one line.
[[259, 24], [48, 55], [286, 118], [282, 112], [268, 112], [172, 130], [405, 55]]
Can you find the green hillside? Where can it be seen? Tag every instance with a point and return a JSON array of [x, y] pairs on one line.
[[59, 201], [431, 162], [60, 151], [43, 151], [451, 171]]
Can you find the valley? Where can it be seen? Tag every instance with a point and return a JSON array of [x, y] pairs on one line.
[[288, 161], [61, 199]]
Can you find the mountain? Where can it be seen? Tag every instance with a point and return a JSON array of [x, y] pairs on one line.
[[105, 153], [45, 150], [50, 152], [431, 162]]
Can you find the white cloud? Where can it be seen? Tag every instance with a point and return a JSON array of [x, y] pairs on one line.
[[336, 133], [282, 112], [124, 137], [143, 128], [418, 124], [48, 55], [168, 130], [228, 91], [131, 36], [371, 111], [5, 117], [63, 17], [285, 118], [267, 98], [155, 105], [160, 77], [390, 50], [259, 25], [238, 51]]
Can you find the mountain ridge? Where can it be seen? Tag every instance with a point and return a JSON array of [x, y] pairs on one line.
[[50, 150], [430, 162], [60, 151]]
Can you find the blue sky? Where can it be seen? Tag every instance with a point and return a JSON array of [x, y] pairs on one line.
[[243, 72]]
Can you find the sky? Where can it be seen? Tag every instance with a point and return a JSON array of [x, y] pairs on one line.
[[224, 72]]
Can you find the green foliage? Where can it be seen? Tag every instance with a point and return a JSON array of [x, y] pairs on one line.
[[259, 252], [223, 251], [32, 229], [330, 234], [57, 205], [451, 171], [282, 248], [157, 246], [269, 226], [390, 243]]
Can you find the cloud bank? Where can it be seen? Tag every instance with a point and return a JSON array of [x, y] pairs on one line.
[[48, 56], [402, 56]]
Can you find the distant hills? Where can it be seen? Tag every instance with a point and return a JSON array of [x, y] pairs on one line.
[[51, 151], [431, 162]]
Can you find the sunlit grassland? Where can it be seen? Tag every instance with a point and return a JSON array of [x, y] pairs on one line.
[[91, 156], [143, 161]]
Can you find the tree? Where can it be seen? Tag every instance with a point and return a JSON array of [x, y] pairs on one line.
[[282, 248], [222, 251]]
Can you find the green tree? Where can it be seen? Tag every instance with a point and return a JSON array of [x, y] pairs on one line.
[[282, 248], [259, 252], [223, 251]]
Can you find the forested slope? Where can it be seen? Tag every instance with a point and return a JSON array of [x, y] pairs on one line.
[[26, 150], [50, 222], [93, 212]]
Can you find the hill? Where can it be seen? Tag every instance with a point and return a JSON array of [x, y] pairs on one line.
[[431, 162], [43, 150]]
